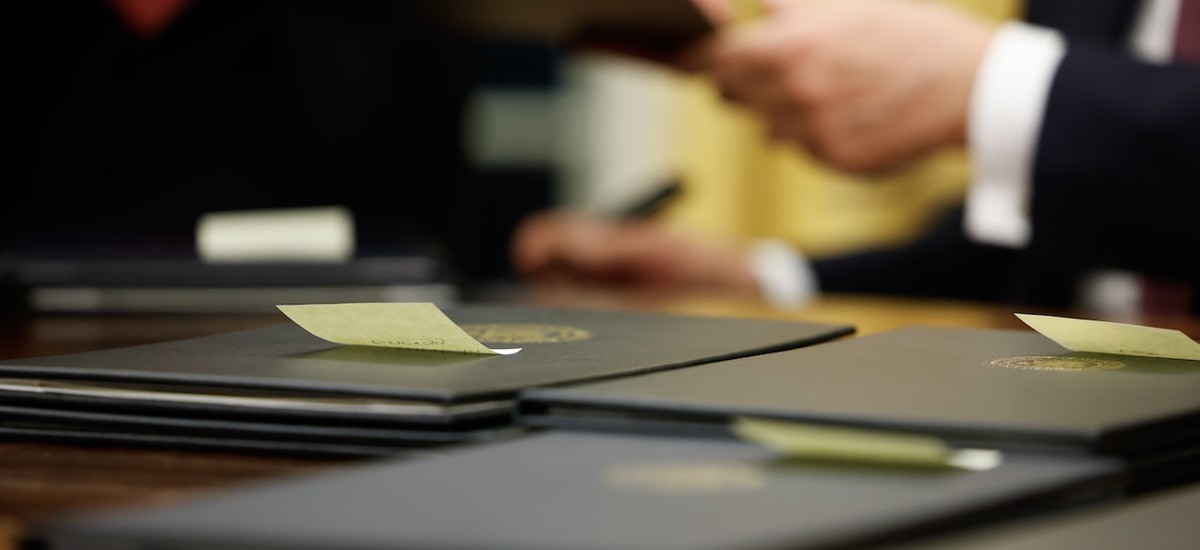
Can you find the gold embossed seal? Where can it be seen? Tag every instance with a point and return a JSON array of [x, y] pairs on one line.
[[524, 333], [685, 478], [1058, 363]]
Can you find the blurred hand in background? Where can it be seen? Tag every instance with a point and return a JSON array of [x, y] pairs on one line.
[[865, 85], [576, 248]]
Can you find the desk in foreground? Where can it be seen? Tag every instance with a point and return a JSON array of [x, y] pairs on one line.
[[38, 480]]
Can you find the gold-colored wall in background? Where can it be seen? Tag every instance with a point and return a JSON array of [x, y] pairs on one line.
[[738, 183]]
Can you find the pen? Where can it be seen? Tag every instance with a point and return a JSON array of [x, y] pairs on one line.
[[652, 203], [742, 11]]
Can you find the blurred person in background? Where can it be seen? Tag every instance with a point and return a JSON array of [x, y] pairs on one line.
[[1082, 122]]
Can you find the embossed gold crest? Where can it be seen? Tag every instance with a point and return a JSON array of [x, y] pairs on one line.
[[1060, 363], [524, 333], [685, 478]]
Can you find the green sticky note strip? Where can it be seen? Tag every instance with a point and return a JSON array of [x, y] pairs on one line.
[[846, 444], [420, 326], [1090, 336]]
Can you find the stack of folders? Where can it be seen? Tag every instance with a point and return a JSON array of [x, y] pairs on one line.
[[168, 281], [663, 459], [1007, 390], [280, 388]]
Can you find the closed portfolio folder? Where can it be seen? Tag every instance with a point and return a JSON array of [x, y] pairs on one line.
[[1163, 521], [573, 490], [996, 388], [174, 281], [661, 21], [283, 376]]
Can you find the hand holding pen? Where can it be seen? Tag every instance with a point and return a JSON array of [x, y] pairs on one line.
[[577, 248]]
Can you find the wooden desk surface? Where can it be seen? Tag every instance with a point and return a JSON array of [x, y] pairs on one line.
[[41, 479]]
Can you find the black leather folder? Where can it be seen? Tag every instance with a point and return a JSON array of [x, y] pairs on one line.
[[976, 387], [1163, 521], [75, 425], [178, 281], [573, 490], [313, 390], [646, 21]]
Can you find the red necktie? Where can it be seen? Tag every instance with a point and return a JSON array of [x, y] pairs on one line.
[[1170, 296], [147, 18], [1187, 34]]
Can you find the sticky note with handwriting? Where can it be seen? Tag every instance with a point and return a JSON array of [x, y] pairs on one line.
[[408, 325], [1086, 335], [860, 445]]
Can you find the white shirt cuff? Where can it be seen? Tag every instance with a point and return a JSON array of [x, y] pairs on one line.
[[784, 275], [1007, 105]]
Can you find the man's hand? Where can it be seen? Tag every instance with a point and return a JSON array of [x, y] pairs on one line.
[[865, 85], [572, 247]]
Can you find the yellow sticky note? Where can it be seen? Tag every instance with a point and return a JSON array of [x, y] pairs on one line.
[[1091, 336], [846, 444], [419, 326]]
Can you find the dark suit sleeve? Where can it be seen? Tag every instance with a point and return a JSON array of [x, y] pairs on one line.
[[941, 263], [1117, 169]]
